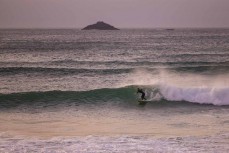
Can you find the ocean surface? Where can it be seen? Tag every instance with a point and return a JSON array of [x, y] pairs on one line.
[[68, 90]]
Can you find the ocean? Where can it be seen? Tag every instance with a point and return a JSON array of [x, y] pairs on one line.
[[68, 90]]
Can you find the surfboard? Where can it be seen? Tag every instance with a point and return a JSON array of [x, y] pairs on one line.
[[142, 102]]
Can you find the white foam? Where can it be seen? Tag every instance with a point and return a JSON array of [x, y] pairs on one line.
[[202, 95], [125, 144]]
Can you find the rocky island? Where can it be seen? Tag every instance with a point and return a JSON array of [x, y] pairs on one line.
[[100, 26]]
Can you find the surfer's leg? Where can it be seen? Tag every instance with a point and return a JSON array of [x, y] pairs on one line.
[[143, 97]]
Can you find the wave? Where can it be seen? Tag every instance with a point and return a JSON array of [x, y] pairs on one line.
[[59, 71], [52, 98], [124, 96], [134, 62], [208, 69]]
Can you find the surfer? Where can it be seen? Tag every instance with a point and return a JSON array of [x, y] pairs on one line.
[[142, 92]]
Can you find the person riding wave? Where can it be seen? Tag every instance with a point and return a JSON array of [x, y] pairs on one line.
[[142, 92]]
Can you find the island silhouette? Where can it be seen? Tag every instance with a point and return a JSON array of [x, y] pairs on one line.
[[100, 25]]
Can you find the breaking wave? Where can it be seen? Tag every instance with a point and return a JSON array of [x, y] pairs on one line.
[[121, 96]]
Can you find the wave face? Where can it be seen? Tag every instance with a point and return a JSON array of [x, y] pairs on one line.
[[125, 96], [50, 98]]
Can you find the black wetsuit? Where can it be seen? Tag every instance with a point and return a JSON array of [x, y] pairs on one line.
[[143, 94]]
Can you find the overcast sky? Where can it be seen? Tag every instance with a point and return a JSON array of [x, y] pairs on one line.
[[120, 13]]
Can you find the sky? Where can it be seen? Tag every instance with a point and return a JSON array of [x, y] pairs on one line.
[[119, 13]]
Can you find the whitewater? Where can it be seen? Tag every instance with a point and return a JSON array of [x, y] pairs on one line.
[[67, 90]]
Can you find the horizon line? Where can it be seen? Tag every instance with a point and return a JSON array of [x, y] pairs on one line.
[[120, 28]]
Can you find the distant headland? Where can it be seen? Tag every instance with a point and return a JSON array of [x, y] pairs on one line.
[[100, 26]]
